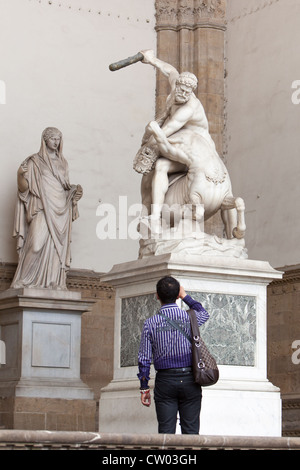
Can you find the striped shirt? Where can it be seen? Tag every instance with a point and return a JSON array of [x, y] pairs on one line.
[[168, 347]]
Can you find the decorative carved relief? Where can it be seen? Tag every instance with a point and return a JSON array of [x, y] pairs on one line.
[[185, 12], [190, 13], [211, 8], [166, 12]]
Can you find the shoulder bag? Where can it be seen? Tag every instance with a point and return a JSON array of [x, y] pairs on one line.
[[205, 369]]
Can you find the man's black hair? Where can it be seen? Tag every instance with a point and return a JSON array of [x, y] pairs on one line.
[[168, 289]]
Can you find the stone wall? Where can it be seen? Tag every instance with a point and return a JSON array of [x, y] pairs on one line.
[[262, 123], [283, 331], [101, 114]]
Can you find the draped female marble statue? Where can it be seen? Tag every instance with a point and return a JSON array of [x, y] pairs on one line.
[[180, 165], [46, 207]]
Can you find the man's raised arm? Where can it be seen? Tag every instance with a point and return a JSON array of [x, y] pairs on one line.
[[167, 69]]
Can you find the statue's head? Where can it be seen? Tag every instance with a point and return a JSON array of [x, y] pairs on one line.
[[188, 79], [185, 84], [52, 138]]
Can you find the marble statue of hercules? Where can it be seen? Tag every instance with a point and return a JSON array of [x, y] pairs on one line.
[[184, 118]]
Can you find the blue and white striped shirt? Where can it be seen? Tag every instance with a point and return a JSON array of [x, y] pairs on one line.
[[168, 346]]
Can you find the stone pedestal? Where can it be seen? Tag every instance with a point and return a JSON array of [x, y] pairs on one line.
[[233, 291], [41, 378]]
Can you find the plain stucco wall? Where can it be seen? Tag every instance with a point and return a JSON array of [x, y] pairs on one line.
[[262, 123], [54, 63]]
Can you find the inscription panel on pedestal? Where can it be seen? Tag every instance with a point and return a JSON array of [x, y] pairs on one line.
[[230, 333], [134, 311], [51, 345]]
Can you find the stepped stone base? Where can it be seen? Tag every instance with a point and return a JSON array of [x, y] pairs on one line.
[[187, 443]]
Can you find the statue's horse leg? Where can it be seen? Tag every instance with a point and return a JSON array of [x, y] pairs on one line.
[[233, 216]]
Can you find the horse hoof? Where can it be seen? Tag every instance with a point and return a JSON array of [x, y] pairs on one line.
[[239, 234]]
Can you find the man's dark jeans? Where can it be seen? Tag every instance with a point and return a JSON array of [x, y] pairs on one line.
[[175, 391]]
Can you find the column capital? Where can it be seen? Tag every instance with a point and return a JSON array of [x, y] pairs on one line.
[[189, 14]]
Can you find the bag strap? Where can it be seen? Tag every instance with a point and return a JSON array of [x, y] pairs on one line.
[[176, 325], [194, 323]]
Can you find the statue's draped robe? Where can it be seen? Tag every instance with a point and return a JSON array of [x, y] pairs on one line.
[[43, 220]]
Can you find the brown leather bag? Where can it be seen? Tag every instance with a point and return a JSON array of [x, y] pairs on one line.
[[205, 369]]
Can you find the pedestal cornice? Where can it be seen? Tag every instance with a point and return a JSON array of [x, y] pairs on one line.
[[44, 299], [206, 267]]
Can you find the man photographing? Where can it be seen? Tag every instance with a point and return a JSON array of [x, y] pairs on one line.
[[175, 390]]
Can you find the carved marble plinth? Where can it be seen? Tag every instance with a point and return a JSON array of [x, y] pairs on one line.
[[41, 329], [209, 245], [243, 402]]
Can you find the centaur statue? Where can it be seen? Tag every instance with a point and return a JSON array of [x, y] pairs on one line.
[[181, 167]]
